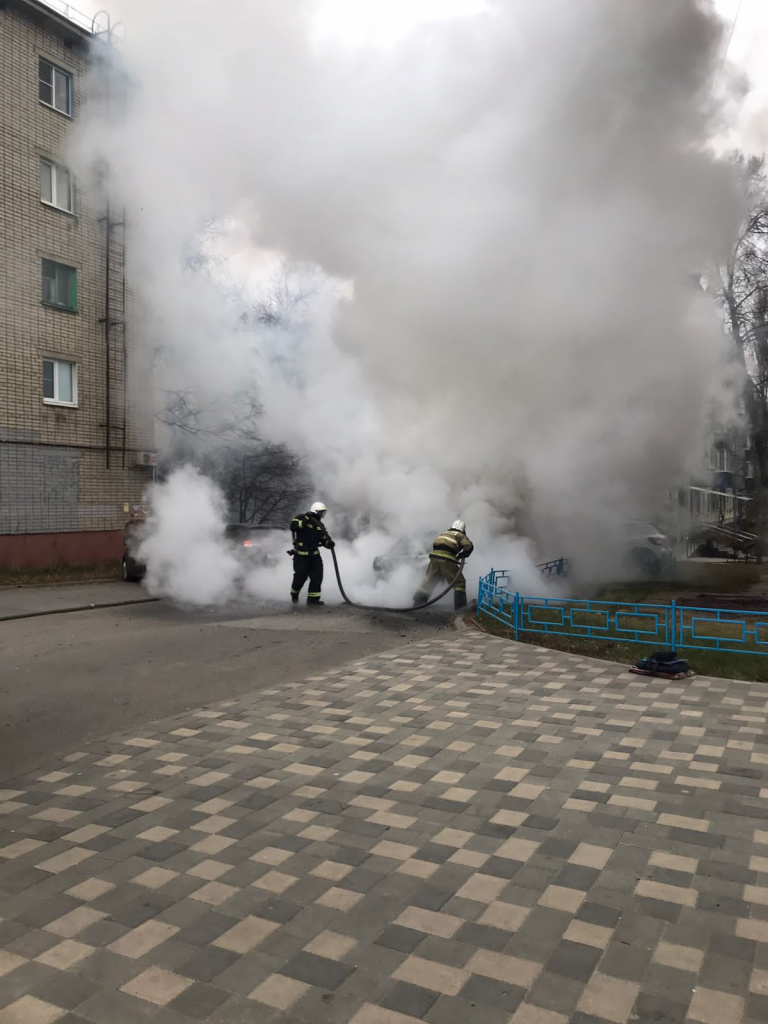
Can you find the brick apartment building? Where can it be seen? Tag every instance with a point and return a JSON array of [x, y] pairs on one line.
[[76, 425]]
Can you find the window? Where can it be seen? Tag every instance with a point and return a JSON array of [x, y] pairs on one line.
[[55, 185], [59, 382], [59, 285], [55, 87]]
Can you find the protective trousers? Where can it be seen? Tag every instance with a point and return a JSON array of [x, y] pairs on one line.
[[307, 567], [449, 571]]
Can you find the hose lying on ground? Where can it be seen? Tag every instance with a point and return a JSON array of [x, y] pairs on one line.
[[380, 608]]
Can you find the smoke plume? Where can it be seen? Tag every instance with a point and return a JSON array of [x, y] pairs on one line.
[[503, 210], [184, 549]]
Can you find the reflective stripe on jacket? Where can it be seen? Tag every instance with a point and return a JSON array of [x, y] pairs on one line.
[[452, 545], [309, 534]]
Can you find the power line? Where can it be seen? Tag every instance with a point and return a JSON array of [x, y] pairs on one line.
[[727, 47]]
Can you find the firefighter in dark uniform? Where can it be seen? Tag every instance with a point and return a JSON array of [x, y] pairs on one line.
[[447, 550], [309, 535]]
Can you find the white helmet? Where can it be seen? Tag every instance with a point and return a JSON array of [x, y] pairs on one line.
[[318, 508], [460, 525]]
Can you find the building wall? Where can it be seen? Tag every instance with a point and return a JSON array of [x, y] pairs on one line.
[[56, 473]]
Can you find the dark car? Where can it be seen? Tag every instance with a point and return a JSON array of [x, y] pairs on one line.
[[133, 570], [255, 545], [648, 553], [258, 545], [403, 552]]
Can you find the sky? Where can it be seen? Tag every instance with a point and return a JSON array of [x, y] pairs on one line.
[[747, 51], [386, 21]]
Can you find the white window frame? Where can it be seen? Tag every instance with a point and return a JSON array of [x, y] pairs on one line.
[[70, 87], [57, 362], [53, 201]]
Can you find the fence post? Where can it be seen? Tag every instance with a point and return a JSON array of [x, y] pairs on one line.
[[673, 624], [517, 616]]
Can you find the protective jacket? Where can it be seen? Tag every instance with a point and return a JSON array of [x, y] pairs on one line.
[[309, 535], [452, 545], [447, 551]]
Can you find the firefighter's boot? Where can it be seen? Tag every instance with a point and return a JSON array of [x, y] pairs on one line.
[[459, 599]]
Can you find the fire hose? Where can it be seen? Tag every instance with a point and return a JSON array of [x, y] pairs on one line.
[[380, 608]]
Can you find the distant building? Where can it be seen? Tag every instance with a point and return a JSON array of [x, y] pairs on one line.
[[76, 425]]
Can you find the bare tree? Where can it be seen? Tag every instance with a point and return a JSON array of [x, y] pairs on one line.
[[263, 484], [285, 301], [744, 292], [263, 481], [184, 413]]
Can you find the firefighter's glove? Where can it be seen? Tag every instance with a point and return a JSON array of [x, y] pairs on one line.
[[330, 544], [291, 552]]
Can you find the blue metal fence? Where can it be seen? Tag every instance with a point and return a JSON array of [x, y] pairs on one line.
[[657, 625]]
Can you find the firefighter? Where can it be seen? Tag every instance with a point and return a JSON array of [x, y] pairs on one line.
[[447, 550], [309, 535]]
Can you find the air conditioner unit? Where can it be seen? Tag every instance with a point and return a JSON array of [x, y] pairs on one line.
[[146, 458]]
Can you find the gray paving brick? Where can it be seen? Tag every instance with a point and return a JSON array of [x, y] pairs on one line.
[[650, 1007], [402, 939], [574, 960], [115, 1008], [556, 993], [622, 960], [563, 829], [449, 1010], [411, 1000], [317, 971], [245, 973], [726, 974], [503, 995], [67, 990], [199, 1001]]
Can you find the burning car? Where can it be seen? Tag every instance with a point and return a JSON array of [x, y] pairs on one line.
[[643, 550], [403, 552], [255, 546]]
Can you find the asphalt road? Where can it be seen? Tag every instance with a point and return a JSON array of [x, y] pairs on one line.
[[70, 679]]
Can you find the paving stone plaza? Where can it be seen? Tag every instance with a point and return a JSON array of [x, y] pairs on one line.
[[461, 831]]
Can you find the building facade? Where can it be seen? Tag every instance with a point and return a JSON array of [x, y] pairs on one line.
[[76, 425]]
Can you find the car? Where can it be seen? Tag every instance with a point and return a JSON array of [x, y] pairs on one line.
[[258, 545], [403, 552], [133, 569], [648, 551], [255, 545]]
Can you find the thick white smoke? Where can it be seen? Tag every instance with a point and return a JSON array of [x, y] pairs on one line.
[[184, 547], [513, 201], [190, 558]]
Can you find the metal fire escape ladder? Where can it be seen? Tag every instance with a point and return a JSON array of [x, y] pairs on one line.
[[114, 318]]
